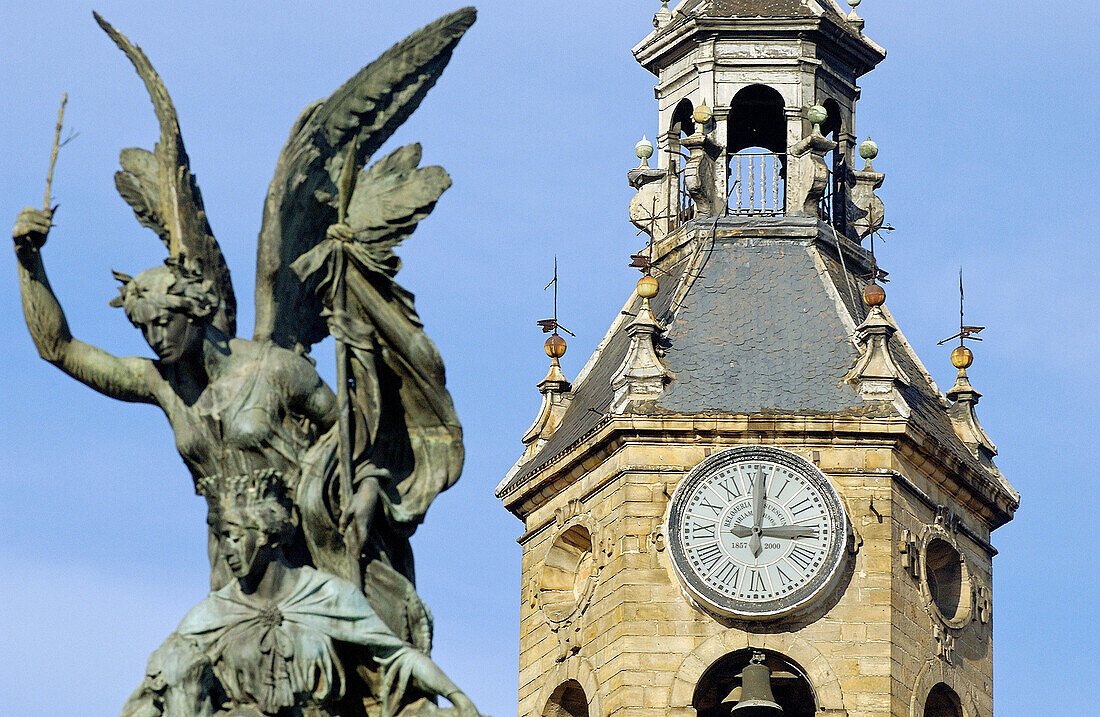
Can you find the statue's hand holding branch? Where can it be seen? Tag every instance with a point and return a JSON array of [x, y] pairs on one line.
[[31, 227]]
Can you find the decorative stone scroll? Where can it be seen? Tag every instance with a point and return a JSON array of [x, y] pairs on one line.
[[809, 175]]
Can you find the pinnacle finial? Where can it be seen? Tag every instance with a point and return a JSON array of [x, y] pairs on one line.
[[874, 295], [643, 151], [648, 287], [962, 395], [868, 149], [702, 114], [962, 357], [817, 116], [555, 347]]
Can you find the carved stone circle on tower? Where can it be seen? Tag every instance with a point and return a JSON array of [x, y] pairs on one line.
[[783, 509]]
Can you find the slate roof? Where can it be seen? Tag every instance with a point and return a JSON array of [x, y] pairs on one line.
[[756, 329], [756, 334], [923, 396], [592, 392]]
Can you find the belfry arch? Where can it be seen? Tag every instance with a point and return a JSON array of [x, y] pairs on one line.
[[756, 152], [682, 125], [943, 702], [936, 693], [796, 651], [720, 687], [756, 119], [833, 206]]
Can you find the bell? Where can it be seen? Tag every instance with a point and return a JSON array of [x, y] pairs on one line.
[[756, 691]]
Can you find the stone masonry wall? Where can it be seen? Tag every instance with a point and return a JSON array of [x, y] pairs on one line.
[[925, 650], [641, 647]]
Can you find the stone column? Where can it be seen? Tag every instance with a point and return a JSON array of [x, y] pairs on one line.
[[795, 133], [721, 162]]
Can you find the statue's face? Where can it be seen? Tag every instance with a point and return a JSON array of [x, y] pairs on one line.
[[172, 335], [244, 551]]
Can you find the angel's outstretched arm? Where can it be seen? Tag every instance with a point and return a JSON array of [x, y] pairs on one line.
[[127, 379]]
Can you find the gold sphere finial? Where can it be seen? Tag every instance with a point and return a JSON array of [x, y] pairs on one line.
[[555, 346], [874, 295], [702, 113], [647, 287], [962, 357]]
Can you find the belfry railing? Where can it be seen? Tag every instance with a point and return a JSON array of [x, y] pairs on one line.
[[757, 183], [685, 207]]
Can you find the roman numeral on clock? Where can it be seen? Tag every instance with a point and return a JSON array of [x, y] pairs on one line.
[[802, 506], [756, 582], [725, 487], [716, 508], [704, 530], [708, 555], [802, 557], [727, 574]]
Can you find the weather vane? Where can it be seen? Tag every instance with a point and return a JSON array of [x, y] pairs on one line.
[[644, 260], [552, 325], [965, 332], [877, 273]]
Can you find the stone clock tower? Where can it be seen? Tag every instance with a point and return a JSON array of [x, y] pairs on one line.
[[754, 499]]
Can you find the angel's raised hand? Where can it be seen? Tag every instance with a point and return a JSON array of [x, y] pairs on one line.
[[31, 227]]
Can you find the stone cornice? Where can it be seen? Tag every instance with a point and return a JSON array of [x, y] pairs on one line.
[[980, 493], [680, 38]]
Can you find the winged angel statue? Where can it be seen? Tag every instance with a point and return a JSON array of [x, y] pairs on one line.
[[312, 494]]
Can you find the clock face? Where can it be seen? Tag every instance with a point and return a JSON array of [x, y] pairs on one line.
[[756, 532]]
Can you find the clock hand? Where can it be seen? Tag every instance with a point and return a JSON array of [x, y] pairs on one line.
[[741, 531], [757, 512], [788, 531]]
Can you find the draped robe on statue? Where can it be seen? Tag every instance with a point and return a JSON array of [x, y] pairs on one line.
[[282, 654], [405, 430]]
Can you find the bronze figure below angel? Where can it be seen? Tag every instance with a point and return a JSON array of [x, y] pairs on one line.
[[355, 469]]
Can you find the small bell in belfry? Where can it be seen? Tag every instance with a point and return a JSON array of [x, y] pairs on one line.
[[756, 691]]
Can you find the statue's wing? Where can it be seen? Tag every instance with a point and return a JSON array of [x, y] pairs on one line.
[[162, 191], [302, 199]]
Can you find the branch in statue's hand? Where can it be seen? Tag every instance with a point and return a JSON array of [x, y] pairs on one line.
[[57, 144]]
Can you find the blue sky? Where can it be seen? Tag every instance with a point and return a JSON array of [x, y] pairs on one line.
[[985, 114]]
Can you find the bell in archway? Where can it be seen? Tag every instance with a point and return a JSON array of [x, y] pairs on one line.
[[756, 698]]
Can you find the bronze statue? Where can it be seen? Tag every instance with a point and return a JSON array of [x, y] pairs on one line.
[[354, 470]]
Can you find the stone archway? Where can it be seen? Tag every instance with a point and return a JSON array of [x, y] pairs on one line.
[[933, 673], [575, 668], [826, 685]]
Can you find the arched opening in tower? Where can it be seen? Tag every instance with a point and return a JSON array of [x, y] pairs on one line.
[[942, 702], [568, 700], [721, 688], [682, 125], [832, 204], [756, 141]]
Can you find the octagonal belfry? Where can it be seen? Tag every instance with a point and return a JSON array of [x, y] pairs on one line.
[[754, 499]]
